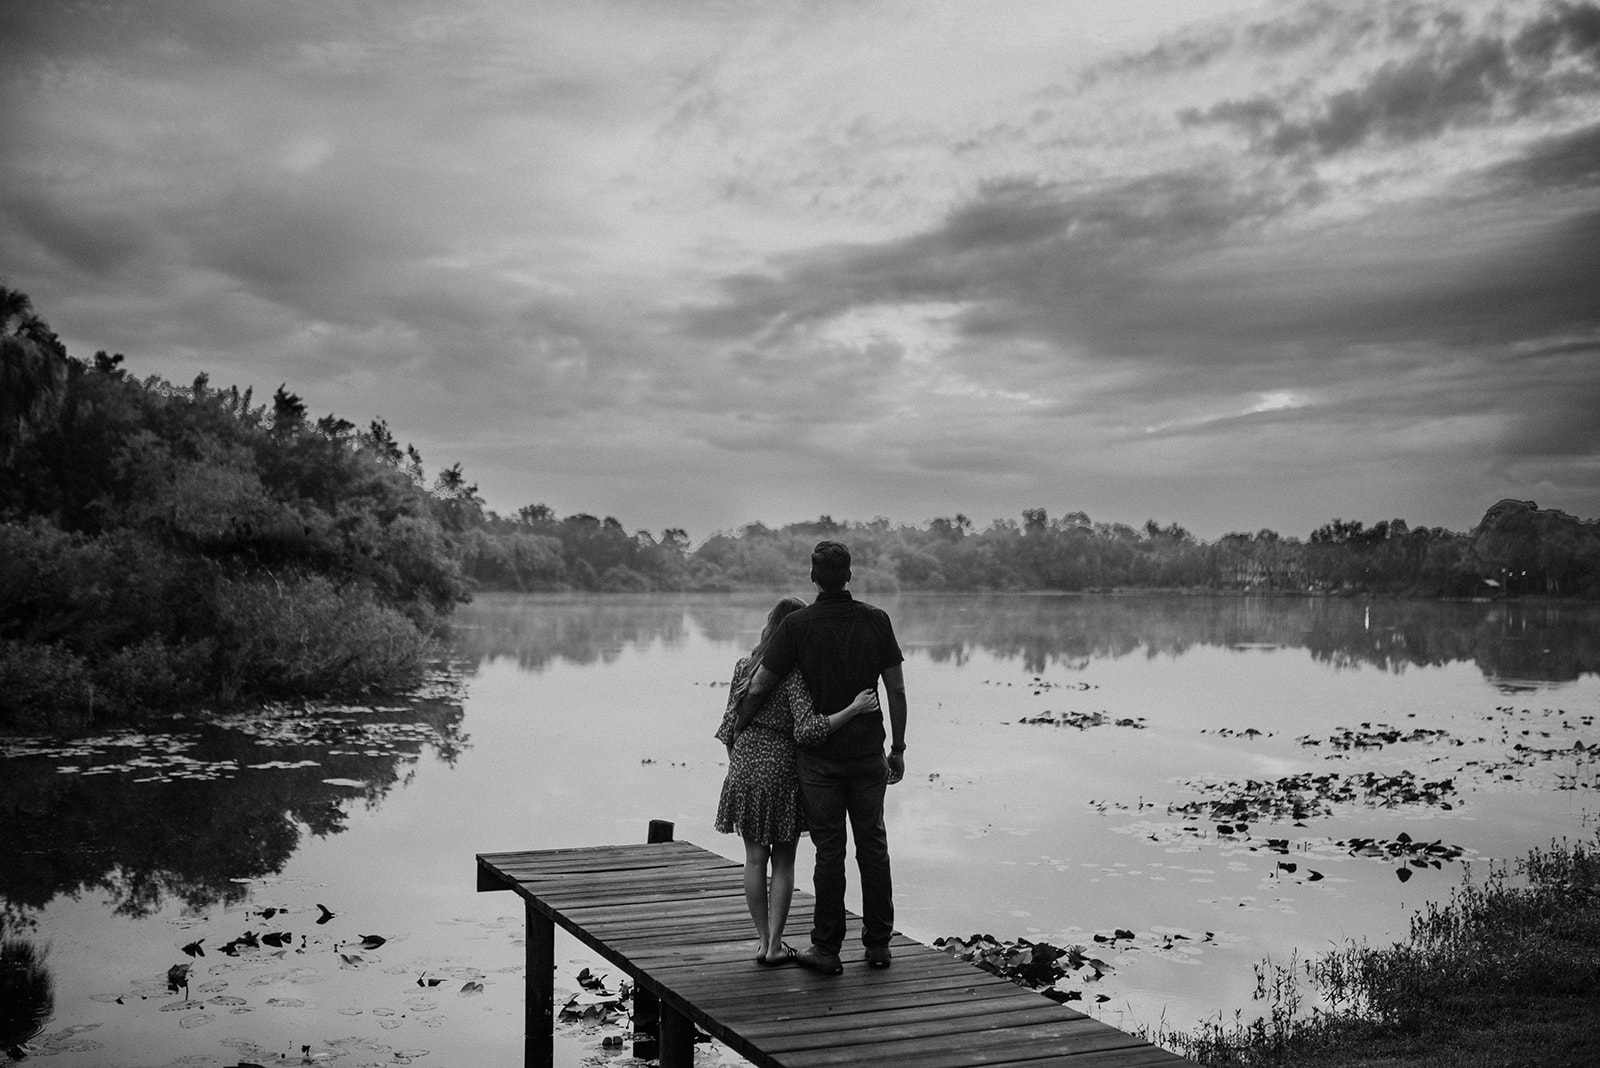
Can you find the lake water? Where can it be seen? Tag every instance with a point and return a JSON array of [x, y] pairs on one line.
[[1221, 780]]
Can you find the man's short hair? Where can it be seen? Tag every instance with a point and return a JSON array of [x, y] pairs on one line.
[[830, 565]]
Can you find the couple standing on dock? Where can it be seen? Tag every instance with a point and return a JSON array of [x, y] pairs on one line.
[[829, 654]]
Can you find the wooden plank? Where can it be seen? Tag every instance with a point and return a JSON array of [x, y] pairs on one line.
[[997, 1045], [617, 856], [735, 998], [691, 956], [529, 872], [618, 879], [582, 890], [702, 907], [880, 1028], [708, 912], [923, 1018], [1146, 1056], [635, 896]]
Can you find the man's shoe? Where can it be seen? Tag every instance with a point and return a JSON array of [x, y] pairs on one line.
[[819, 960], [878, 956]]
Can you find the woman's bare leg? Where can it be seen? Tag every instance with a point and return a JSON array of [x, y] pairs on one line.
[[778, 897], [756, 855]]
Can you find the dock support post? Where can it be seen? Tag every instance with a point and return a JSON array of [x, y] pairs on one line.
[[647, 1020], [677, 1039], [540, 994]]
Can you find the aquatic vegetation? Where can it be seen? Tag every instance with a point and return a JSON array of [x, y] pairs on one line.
[[1297, 798], [1064, 973], [1376, 736], [1036, 965], [27, 992], [1084, 720], [1506, 972], [267, 967], [1404, 848]]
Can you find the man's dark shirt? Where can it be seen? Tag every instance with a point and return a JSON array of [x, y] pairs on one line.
[[841, 646]]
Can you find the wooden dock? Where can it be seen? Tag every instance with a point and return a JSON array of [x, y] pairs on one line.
[[672, 916]]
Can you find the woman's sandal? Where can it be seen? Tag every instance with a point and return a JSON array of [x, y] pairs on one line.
[[789, 957]]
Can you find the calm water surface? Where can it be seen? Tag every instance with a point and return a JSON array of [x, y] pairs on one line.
[[1201, 774]]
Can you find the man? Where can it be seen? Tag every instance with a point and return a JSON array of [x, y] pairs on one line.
[[842, 646]]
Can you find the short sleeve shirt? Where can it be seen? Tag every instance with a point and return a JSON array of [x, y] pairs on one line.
[[841, 646]]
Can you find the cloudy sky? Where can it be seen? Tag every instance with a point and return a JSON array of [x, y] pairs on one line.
[[1227, 263]]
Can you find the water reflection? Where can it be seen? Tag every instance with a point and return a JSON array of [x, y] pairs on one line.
[[579, 629], [190, 813], [1513, 643]]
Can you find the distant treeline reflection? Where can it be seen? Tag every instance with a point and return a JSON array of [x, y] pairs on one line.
[[1510, 641]]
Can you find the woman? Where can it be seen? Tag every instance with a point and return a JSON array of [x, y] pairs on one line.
[[761, 794]]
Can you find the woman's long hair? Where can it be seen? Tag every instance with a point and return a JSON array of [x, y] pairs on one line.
[[774, 617]]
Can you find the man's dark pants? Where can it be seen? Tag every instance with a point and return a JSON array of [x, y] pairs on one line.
[[836, 791]]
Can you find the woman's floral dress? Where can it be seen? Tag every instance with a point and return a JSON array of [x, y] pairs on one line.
[[761, 795]]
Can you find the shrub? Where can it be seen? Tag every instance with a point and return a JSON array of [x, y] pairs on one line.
[[306, 634], [43, 686]]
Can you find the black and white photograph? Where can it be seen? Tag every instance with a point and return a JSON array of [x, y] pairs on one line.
[[602, 533]]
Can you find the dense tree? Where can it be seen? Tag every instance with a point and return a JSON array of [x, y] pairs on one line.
[[162, 544]]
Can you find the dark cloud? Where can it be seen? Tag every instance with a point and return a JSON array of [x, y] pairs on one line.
[[102, 241], [182, 34], [1450, 77], [1181, 53], [1550, 397], [1326, 27], [1019, 252], [1563, 162]]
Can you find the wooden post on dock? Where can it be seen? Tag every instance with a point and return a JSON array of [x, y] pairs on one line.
[[647, 1021], [539, 997]]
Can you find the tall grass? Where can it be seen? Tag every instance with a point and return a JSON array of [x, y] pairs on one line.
[[1505, 972], [27, 992]]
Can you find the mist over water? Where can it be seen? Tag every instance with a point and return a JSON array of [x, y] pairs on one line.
[[1218, 779]]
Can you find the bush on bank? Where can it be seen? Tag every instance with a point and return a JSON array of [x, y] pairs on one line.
[[1506, 973], [166, 546]]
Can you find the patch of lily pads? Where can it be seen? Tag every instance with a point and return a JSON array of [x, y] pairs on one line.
[[1084, 720], [277, 952], [1235, 839], [146, 756], [341, 726], [156, 757], [1040, 685], [1296, 798], [1066, 973], [1412, 854], [1376, 736]]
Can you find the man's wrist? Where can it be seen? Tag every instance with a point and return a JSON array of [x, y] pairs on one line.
[[899, 747]]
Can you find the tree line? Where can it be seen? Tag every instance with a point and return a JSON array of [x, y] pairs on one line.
[[1517, 550], [165, 545]]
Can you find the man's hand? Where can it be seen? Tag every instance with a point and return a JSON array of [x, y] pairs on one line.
[[762, 684], [897, 767]]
